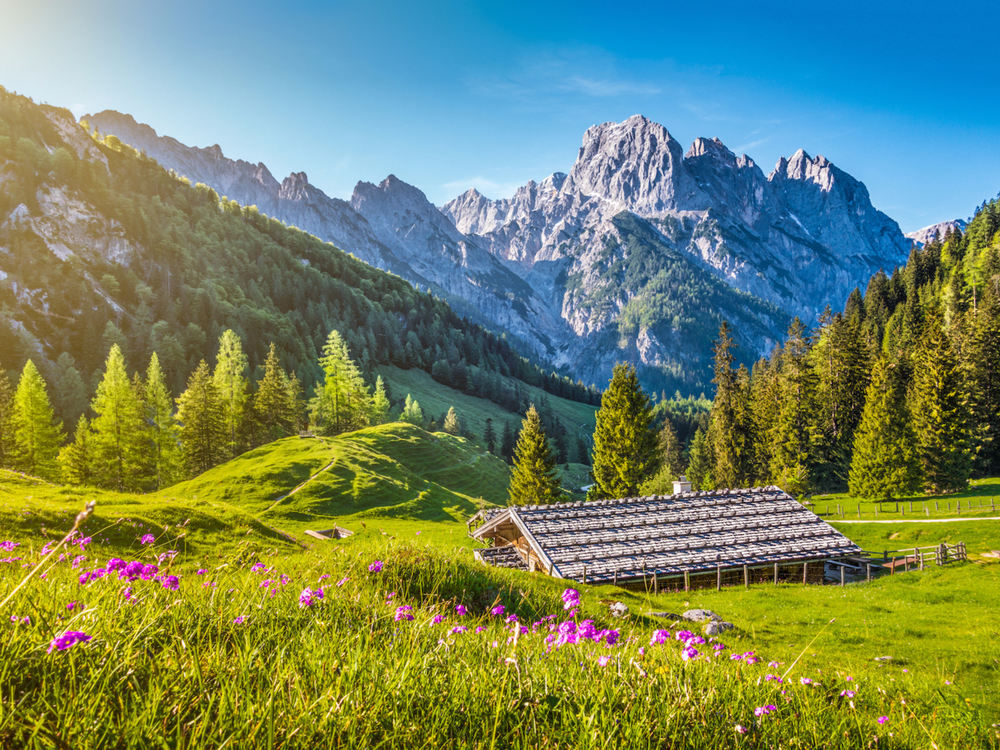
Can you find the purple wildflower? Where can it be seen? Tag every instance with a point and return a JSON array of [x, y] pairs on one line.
[[511, 618], [239, 620], [603, 661], [403, 613], [480, 629], [847, 694], [9, 546], [659, 637], [202, 571], [67, 640], [147, 539], [690, 652], [458, 629], [437, 619], [460, 610], [258, 567], [307, 598], [171, 582], [342, 581], [497, 610], [883, 719], [375, 567]]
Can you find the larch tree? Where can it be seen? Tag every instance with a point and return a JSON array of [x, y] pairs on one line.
[[451, 423], [203, 421], [534, 479], [164, 435], [412, 413], [117, 425], [6, 421], [884, 462], [625, 445], [76, 458], [342, 401], [233, 388], [940, 411], [37, 433]]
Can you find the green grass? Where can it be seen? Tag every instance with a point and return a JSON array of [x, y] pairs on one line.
[[435, 399], [975, 502], [172, 669]]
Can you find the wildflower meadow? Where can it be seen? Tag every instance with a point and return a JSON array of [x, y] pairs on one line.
[[382, 644]]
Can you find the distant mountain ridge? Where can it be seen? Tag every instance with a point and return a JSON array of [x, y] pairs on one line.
[[636, 254], [922, 236]]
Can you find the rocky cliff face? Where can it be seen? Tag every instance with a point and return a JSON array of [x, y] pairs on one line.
[[785, 244], [636, 254]]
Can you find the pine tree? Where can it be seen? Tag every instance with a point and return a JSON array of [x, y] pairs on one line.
[[700, 461], [233, 388], [296, 403], [451, 424], [379, 408], [884, 462], [163, 432], [342, 401], [116, 426], [412, 412], [625, 445], [7, 448], [765, 403], [77, 458], [941, 413], [534, 479], [984, 371], [730, 430], [582, 454], [507, 443], [203, 421], [489, 436], [37, 434]]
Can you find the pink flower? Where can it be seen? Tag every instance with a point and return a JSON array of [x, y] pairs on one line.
[[342, 581], [239, 620], [847, 693], [147, 539], [460, 610], [375, 567], [458, 629], [511, 618], [805, 681], [437, 619], [883, 719], [202, 571], [403, 613], [308, 597], [480, 629], [740, 729], [497, 610], [603, 661], [659, 637]]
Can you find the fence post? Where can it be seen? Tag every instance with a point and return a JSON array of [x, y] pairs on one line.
[[776, 574], [718, 576], [746, 576], [921, 561], [616, 576], [687, 580], [911, 506], [805, 573], [868, 572], [936, 506], [584, 575], [843, 574], [892, 570], [902, 512], [885, 555], [656, 581]]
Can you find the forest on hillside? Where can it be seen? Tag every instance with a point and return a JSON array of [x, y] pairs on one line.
[[196, 265], [899, 392]]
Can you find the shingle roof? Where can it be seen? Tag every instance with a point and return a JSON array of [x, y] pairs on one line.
[[501, 557], [693, 531]]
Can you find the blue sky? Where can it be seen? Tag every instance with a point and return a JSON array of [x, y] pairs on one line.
[[453, 95]]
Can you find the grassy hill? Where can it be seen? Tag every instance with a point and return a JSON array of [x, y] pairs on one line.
[[435, 399]]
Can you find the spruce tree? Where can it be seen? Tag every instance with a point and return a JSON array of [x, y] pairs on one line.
[[941, 413], [233, 388], [342, 401], [76, 459], [671, 450], [379, 407], [534, 479], [765, 403], [884, 461], [489, 436], [507, 443], [794, 444], [730, 429], [69, 391], [451, 424], [117, 426], [296, 403], [412, 413], [6, 421], [984, 370], [700, 462], [625, 445], [582, 454], [271, 403], [203, 421], [164, 435], [37, 434]]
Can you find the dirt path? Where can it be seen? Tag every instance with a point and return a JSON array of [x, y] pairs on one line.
[[927, 520], [298, 487]]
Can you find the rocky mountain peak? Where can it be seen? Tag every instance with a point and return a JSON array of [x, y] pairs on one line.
[[636, 164]]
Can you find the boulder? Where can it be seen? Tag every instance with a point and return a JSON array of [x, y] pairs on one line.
[[718, 628], [619, 609], [700, 615]]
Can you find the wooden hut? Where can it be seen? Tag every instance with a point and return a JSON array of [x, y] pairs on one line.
[[689, 540]]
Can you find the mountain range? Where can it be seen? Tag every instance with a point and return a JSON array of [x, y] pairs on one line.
[[636, 254]]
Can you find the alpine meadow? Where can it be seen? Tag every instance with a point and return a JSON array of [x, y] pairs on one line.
[[660, 451]]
